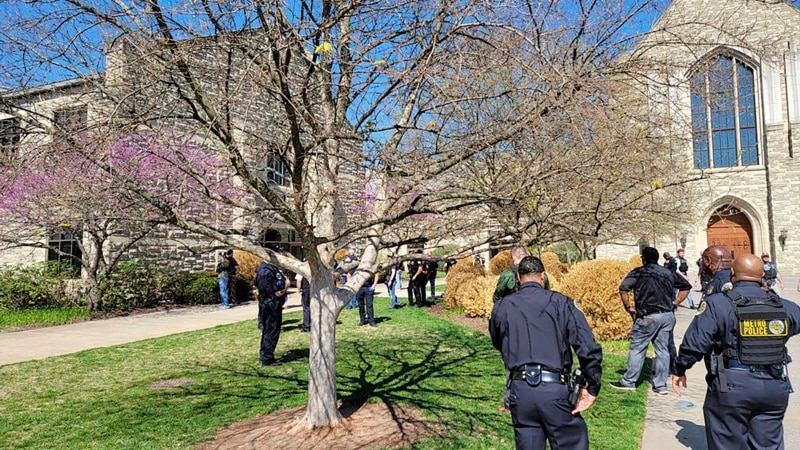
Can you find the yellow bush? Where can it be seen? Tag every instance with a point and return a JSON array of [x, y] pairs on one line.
[[454, 281], [501, 262], [555, 285], [467, 265], [248, 264], [463, 270], [553, 266], [475, 296], [595, 286], [635, 261]]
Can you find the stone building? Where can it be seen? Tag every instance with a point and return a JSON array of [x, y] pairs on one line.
[[728, 72], [138, 87]]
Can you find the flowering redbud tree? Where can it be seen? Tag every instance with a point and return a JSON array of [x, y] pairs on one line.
[[92, 196]]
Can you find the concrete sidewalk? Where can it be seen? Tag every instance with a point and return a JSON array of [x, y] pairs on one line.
[[42, 343], [676, 423]]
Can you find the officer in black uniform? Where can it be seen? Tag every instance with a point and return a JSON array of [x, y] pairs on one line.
[[272, 288], [417, 280], [536, 330], [741, 334], [717, 263]]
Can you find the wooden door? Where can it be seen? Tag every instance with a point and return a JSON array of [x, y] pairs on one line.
[[730, 227]]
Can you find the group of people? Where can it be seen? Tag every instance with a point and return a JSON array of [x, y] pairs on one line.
[[740, 330]]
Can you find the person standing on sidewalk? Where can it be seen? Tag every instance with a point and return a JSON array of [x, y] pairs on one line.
[[741, 334], [771, 274], [654, 319], [683, 270], [536, 331], [222, 279], [717, 263]]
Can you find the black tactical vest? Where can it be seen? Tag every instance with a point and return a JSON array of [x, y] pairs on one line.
[[770, 271], [762, 329]]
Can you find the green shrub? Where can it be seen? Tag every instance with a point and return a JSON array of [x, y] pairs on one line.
[[441, 252], [42, 285], [202, 288], [134, 284]]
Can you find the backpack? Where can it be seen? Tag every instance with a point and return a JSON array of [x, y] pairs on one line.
[[222, 266], [684, 267]]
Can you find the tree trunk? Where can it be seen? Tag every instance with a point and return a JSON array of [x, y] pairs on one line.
[[94, 293], [323, 407]]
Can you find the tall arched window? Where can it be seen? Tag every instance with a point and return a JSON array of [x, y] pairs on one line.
[[724, 114]]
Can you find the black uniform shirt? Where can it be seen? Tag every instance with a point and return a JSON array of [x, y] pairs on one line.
[[713, 329], [537, 326], [654, 287], [715, 284]]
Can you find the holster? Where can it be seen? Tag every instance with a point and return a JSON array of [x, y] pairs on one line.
[[718, 369]]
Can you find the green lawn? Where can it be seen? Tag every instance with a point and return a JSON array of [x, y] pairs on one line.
[[100, 399], [16, 319]]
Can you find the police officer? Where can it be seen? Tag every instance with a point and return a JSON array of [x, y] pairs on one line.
[[717, 263], [535, 331], [272, 288], [507, 283], [741, 335], [417, 280], [771, 274]]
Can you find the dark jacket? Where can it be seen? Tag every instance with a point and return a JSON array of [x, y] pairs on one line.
[[713, 329], [536, 326], [654, 288]]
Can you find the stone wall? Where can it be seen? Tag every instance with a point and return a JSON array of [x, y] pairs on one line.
[[768, 34]]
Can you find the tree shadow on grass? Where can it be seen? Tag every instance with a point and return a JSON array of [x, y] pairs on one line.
[[454, 377]]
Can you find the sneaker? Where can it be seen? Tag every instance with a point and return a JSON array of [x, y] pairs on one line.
[[661, 391], [622, 387], [270, 362], [372, 325]]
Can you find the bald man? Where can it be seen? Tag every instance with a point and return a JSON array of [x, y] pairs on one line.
[[741, 334], [716, 262]]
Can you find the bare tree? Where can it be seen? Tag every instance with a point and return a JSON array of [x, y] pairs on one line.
[[364, 122]]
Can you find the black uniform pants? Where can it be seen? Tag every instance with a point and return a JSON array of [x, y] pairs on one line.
[[543, 413], [305, 302], [750, 415], [271, 317], [419, 291]]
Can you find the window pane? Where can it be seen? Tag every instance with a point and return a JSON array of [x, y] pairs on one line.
[[66, 241], [701, 150], [724, 143], [749, 146], [10, 135], [747, 100], [699, 121]]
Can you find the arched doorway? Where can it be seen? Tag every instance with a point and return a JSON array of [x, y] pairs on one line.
[[730, 227]]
